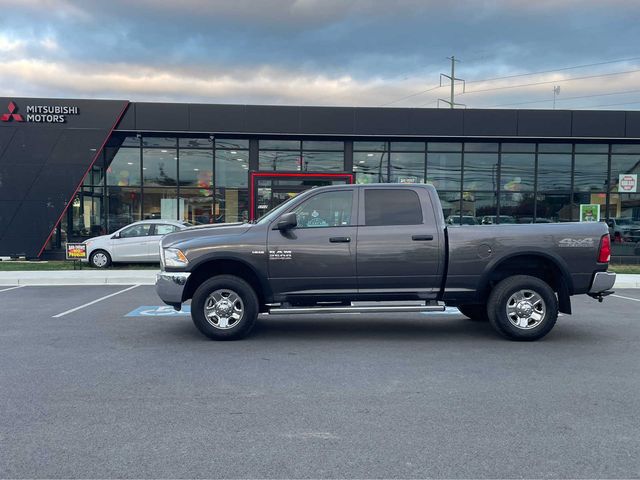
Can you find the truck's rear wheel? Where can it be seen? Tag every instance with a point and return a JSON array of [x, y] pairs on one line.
[[224, 308], [475, 312], [522, 308]]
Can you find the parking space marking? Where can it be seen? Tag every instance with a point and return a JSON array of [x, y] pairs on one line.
[[159, 311], [12, 288], [94, 301], [627, 298]]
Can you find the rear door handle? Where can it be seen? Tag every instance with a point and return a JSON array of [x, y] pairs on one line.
[[421, 238], [340, 239]]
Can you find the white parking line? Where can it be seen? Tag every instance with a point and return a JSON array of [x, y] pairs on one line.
[[627, 298], [94, 301], [12, 288]]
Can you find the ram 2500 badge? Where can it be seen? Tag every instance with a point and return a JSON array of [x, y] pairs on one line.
[[381, 248]]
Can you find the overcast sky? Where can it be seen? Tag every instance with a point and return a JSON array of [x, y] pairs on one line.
[[323, 52]]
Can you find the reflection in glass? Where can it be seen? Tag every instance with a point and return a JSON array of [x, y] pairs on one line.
[[370, 146], [370, 167], [592, 148], [160, 203], [480, 147], [407, 167], [444, 147], [518, 206], [124, 170], [232, 168], [169, 142], [481, 206], [197, 206], [517, 172], [624, 165], [323, 161], [554, 172], [450, 202], [195, 142], [322, 145], [232, 205], [123, 207], [518, 148], [480, 171], [554, 207], [408, 146], [160, 167], [196, 168], [444, 170], [555, 148], [625, 148], [279, 160], [279, 144], [590, 173], [232, 143]]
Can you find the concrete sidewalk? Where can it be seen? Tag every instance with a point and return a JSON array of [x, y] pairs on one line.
[[80, 277], [148, 277]]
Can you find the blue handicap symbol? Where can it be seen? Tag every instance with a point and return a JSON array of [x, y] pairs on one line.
[[159, 311]]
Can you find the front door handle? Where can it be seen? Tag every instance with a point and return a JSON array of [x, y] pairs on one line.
[[421, 238], [340, 239]]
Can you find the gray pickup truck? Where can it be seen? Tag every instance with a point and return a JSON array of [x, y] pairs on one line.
[[381, 248]]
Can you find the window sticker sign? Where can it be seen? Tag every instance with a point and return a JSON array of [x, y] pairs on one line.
[[628, 183], [589, 212], [76, 251]]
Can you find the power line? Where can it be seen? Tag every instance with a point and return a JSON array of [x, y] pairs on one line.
[[412, 95], [507, 87], [555, 70], [608, 105], [560, 99]]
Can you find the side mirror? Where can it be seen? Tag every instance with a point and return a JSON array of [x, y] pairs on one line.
[[116, 235], [287, 221]]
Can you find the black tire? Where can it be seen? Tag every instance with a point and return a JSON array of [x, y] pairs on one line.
[[500, 297], [475, 312], [248, 301], [99, 254]]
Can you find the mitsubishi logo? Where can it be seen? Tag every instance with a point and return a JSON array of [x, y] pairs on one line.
[[7, 117]]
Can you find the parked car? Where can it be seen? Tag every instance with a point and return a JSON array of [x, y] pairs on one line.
[[466, 220], [492, 219], [381, 248], [624, 229], [135, 243]]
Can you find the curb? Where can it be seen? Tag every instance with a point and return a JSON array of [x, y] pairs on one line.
[[79, 277]]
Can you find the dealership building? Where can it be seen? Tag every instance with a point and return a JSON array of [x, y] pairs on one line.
[[73, 169]]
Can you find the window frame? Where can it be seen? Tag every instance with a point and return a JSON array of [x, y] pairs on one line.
[[295, 205], [423, 199], [130, 227]]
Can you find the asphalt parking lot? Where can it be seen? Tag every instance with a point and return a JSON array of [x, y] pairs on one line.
[[92, 392]]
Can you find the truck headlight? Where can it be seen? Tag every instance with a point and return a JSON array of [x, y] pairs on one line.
[[173, 257]]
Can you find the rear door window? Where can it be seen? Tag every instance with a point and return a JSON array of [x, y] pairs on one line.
[[392, 207]]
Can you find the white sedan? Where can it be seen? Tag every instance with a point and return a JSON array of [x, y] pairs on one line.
[[135, 243]]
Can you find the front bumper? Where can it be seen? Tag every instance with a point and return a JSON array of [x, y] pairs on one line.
[[170, 287], [602, 282]]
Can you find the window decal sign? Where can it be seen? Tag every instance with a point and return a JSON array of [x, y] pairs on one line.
[[628, 183], [589, 212]]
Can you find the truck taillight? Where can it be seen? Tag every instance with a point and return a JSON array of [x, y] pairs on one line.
[[604, 255]]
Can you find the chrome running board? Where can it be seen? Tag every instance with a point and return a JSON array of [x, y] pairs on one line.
[[359, 307]]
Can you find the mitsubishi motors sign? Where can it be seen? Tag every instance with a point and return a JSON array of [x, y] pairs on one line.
[[628, 183], [39, 113]]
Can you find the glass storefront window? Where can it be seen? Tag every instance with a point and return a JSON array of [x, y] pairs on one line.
[[450, 202], [279, 145], [232, 143], [123, 207], [323, 145], [193, 142], [323, 161], [124, 170], [197, 206], [480, 147], [87, 214], [518, 148], [279, 160], [517, 172], [408, 146], [232, 205], [592, 148], [160, 167], [480, 171], [169, 142], [590, 198], [370, 146], [370, 167], [232, 168], [444, 170], [625, 148], [554, 172], [130, 141], [555, 148], [196, 168], [407, 167], [161, 203], [590, 173], [517, 207], [479, 206], [95, 175], [623, 165], [554, 207], [444, 147]]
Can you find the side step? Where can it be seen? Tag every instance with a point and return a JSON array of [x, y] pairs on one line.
[[359, 307]]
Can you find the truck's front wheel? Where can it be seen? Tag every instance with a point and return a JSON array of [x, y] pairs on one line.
[[522, 308], [224, 308]]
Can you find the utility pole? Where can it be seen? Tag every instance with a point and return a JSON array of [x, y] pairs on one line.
[[556, 92], [452, 78]]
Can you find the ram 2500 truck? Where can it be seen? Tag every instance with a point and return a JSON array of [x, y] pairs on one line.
[[381, 248]]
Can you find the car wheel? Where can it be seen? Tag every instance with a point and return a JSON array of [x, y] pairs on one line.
[[522, 308], [224, 308], [475, 312], [100, 259]]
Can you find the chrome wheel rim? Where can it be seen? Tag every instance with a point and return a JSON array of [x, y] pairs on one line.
[[526, 309], [223, 309], [99, 260]]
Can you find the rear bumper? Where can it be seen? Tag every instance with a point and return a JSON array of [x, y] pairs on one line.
[[602, 282], [170, 287]]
